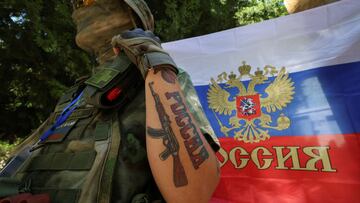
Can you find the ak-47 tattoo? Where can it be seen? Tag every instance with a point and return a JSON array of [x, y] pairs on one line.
[[193, 143], [169, 140]]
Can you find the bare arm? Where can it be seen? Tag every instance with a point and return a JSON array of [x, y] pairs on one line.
[[184, 166], [182, 162]]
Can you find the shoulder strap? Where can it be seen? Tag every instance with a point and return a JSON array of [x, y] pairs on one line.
[[106, 181], [99, 180], [114, 85]]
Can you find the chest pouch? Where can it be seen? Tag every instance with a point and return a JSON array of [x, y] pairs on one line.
[[114, 85]]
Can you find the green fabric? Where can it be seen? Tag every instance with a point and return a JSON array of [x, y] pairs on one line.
[[118, 73], [66, 196], [41, 162], [107, 74], [110, 163], [102, 78], [120, 63], [102, 131], [62, 161], [59, 195], [9, 187], [81, 113], [61, 106], [77, 114], [123, 173], [89, 91], [82, 161], [160, 58], [140, 198], [138, 153], [68, 95]]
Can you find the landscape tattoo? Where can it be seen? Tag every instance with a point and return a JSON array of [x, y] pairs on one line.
[[169, 140]]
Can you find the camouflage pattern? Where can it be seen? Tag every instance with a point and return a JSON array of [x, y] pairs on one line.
[[98, 23], [132, 175], [102, 157], [143, 12]]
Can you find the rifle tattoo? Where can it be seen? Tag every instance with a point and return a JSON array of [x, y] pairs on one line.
[[193, 143], [169, 140]]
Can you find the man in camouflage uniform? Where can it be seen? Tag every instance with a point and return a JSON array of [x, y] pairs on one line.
[[93, 147]]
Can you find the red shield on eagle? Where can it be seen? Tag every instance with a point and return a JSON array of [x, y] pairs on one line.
[[248, 107]]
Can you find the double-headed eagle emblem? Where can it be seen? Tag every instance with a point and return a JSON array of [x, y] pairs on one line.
[[249, 111]]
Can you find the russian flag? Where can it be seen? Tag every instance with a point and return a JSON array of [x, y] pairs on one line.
[[283, 97]]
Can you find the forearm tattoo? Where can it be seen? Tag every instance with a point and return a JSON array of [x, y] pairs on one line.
[[193, 143], [188, 131], [169, 140]]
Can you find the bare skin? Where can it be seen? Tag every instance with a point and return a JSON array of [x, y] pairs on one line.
[[190, 172]]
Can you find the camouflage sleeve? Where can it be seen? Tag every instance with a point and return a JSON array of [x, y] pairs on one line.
[[192, 101]]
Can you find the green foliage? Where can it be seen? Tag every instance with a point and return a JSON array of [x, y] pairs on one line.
[[39, 58], [259, 10], [5, 149], [188, 18], [38, 61]]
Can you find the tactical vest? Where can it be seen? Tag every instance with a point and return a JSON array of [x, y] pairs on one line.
[[98, 154]]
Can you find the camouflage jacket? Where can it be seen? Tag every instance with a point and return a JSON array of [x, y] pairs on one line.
[[99, 154]]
